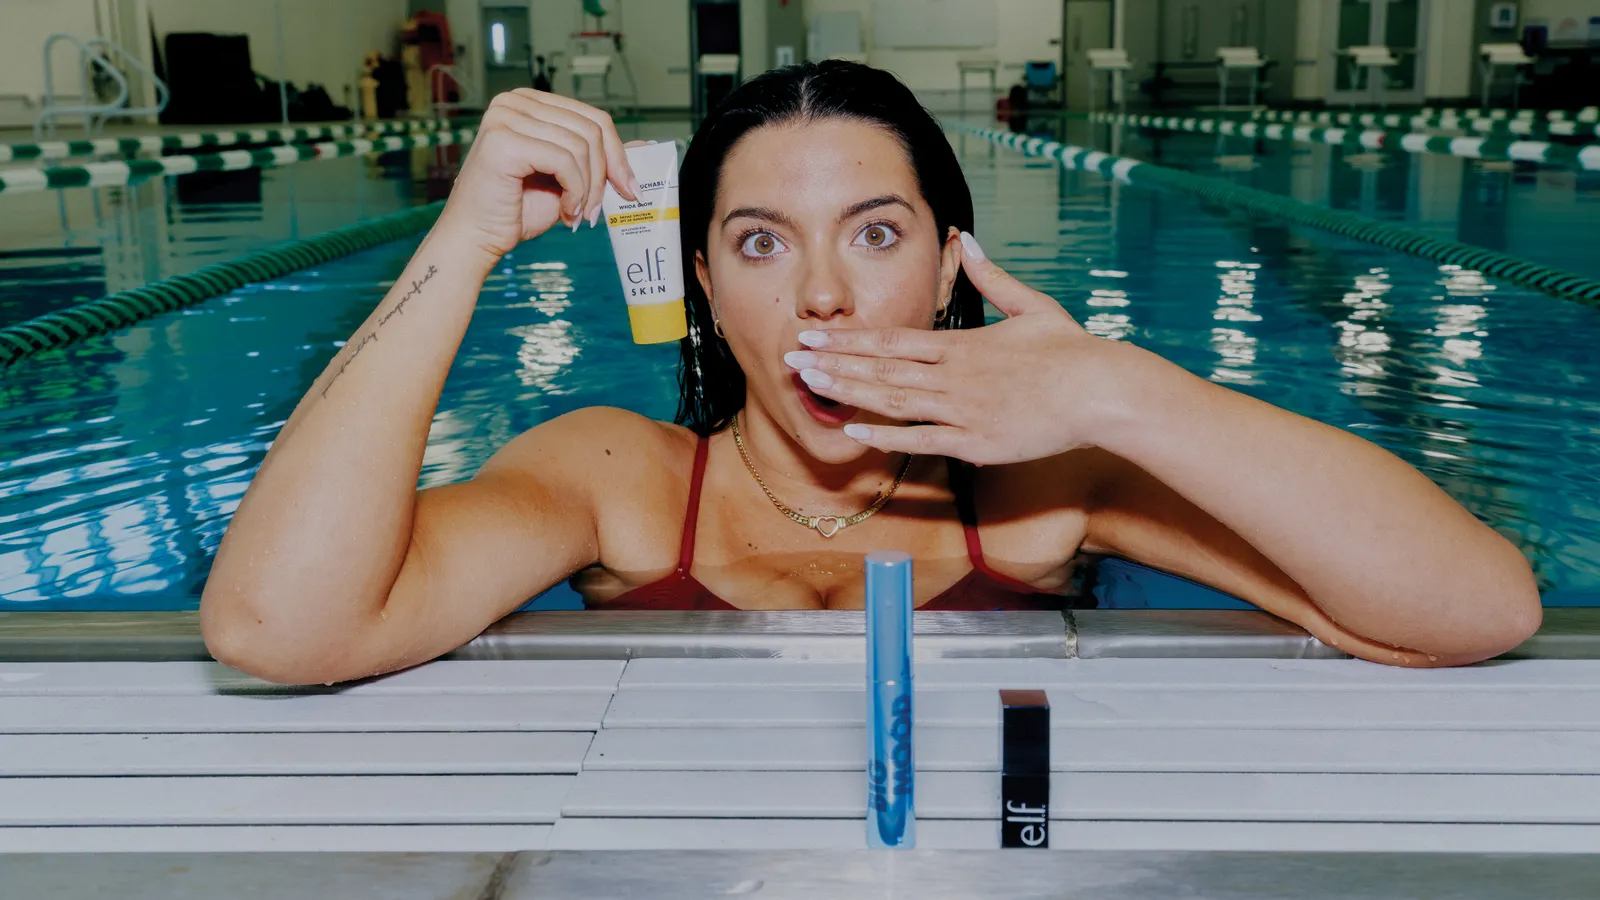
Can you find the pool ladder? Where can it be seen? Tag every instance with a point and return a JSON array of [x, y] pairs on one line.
[[109, 59]]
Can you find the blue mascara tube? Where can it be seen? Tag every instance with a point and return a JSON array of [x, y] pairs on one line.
[[891, 812]]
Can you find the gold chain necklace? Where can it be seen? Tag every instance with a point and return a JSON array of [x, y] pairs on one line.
[[835, 523]]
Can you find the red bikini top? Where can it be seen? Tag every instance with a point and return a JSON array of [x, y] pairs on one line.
[[980, 589]]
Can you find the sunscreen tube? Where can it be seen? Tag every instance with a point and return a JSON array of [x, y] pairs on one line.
[[891, 813], [644, 239]]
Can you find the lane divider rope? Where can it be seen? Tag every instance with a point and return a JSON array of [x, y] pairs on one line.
[[118, 172], [1499, 148], [64, 327], [1584, 123], [133, 145], [1552, 281]]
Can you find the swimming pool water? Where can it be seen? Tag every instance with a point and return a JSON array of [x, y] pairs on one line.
[[1543, 213], [62, 247], [122, 457]]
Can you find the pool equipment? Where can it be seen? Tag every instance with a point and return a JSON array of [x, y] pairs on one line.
[[134, 145], [119, 172], [1247, 59], [1024, 769], [891, 807], [1114, 63], [591, 52], [1500, 145], [644, 238], [67, 326], [100, 61], [1492, 58], [1374, 61]]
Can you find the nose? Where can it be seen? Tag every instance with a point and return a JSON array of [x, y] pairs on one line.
[[824, 293]]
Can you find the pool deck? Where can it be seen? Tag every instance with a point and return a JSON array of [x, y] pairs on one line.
[[1181, 742], [1567, 633]]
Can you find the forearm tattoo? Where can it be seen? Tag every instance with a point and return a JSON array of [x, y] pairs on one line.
[[354, 347]]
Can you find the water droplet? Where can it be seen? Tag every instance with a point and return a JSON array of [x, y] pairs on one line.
[[1432, 658]]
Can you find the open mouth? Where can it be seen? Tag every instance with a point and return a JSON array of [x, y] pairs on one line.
[[824, 410]]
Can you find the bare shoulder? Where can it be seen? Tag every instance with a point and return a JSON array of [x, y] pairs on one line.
[[597, 450]]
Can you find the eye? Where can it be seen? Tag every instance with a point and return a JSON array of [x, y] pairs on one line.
[[761, 244], [878, 237]]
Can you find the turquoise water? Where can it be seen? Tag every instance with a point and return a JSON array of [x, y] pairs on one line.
[[62, 247], [122, 457], [1537, 212]]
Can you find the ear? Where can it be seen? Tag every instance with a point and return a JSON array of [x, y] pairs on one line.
[[949, 266], [702, 274]]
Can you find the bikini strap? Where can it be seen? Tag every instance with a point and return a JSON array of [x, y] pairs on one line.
[[691, 518], [962, 484]]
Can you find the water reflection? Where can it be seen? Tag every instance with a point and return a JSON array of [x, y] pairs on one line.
[[1529, 210]]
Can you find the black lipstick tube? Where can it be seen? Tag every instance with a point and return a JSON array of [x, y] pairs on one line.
[[1024, 769]]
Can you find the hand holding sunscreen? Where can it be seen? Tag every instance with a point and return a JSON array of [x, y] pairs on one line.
[[644, 238]]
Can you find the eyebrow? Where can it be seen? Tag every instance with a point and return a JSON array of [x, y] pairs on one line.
[[764, 213], [856, 209], [768, 214]]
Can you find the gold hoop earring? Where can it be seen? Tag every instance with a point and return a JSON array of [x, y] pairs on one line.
[[716, 326], [942, 314]]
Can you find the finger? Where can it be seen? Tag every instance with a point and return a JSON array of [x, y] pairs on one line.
[[905, 404], [588, 134], [549, 158], [510, 115], [1008, 295], [618, 171], [874, 370], [923, 440], [916, 344]]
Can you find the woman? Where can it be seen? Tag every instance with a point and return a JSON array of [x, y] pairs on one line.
[[828, 230]]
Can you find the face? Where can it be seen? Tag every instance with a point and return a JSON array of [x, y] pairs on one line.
[[817, 226]]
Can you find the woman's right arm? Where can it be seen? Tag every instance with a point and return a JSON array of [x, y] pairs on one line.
[[334, 566]]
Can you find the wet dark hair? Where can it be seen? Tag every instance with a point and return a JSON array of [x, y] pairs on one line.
[[711, 384]]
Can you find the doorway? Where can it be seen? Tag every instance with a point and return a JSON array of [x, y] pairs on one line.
[[1396, 24], [507, 49], [1085, 26]]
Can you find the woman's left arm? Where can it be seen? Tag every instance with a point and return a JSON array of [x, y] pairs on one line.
[[1236, 493], [1304, 519]]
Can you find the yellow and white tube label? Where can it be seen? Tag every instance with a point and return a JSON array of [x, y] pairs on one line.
[[645, 240]]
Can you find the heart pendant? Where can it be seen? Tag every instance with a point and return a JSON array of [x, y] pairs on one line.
[[838, 523]]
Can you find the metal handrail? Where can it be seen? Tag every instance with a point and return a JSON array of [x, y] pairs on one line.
[[89, 111], [467, 91], [124, 58]]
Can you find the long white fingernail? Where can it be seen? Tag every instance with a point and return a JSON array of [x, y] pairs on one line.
[[970, 245], [594, 217], [859, 432], [813, 339], [816, 378], [800, 359]]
